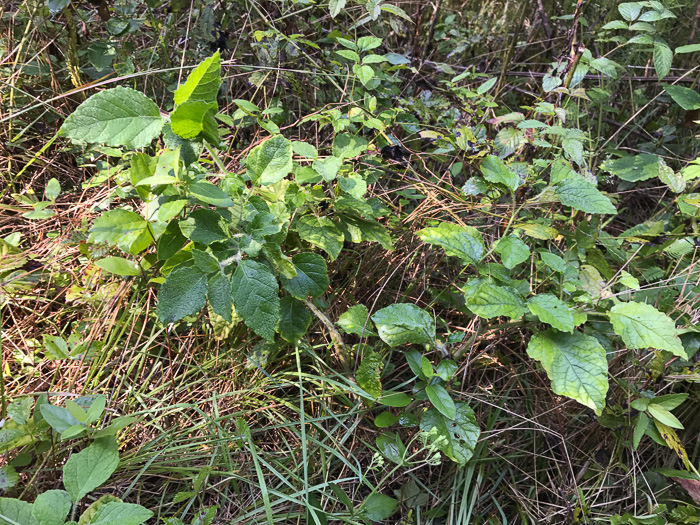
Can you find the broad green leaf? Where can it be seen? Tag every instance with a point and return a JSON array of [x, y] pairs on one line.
[[119, 266], [369, 230], [364, 73], [663, 56], [464, 242], [189, 150], [634, 168], [385, 419], [279, 261], [335, 7], [256, 297], [204, 226], [348, 54], [52, 507], [304, 149], [494, 170], [119, 227], [219, 295], [321, 232], [554, 262], [294, 319], [20, 410], [59, 418], [8, 475], [328, 167], [188, 119], [489, 300], [354, 185], [687, 98], [441, 400], [348, 204], [247, 106], [378, 507], [205, 261], [16, 512], [120, 513], [537, 230], [116, 117], [630, 11], [662, 414], [458, 436], [271, 161], [551, 310], [670, 401], [170, 241], [576, 365], [312, 276], [202, 85], [356, 321], [56, 6], [52, 190], [690, 48], [673, 180], [87, 470], [183, 293], [210, 194], [391, 446], [395, 399], [643, 326], [368, 376], [582, 195], [402, 323], [348, 146], [365, 43], [512, 250], [639, 429]]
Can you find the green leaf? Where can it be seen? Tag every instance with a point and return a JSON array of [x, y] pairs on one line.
[[271, 161], [202, 85], [457, 437], [335, 7], [494, 170], [402, 323], [210, 194], [464, 242], [349, 55], [582, 195], [59, 418], [356, 321], [321, 232], [183, 293], [441, 400], [634, 168], [385, 419], [661, 414], [512, 250], [8, 476], [247, 106], [188, 119], [219, 295], [391, 446], [328, 167], [663, 56], [370, 230], [120, 513], [170, 241], [20, 410], [378, 507], [294, 319], [119, 227], [119, 266], [256, 297], [673, 180], [369, 373], [365, 43], [364, 73], [52, 190], [643, 326], [204, 226], [576, 365], [489, 300], [52, 507], [395, 399], [312, 276], [16, 512], [304, 149], [116, 117], [690, 48], [639, 429], [87, 470], [687, 98], [347, 146], [549, 309]]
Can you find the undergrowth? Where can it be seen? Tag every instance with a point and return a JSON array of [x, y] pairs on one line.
[[349, 262]]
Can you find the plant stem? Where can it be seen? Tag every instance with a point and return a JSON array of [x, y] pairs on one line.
[[340, 346]]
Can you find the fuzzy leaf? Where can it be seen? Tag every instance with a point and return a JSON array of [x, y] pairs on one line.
[[119, 266], [404, 323], [356, 321], [294, 319], [369, 373], [321, 232], [582, 195], [643, 326], [489, 300], [687, 98], [183, 293], [271, 161], [549, 309], [202, 85], [634, 168], [464, 242], [256, 297], [52, 507], [16, 512], [512, 250], [116, 117], [576, 365], [460, 434], [312, 276], [494, 170]]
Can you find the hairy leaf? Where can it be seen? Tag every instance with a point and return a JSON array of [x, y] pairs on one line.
[[582, 195], [183, 293], [489, 300], [87, 470], [312, 276], [116, 117], [356, 321], [271, 161], [576, 365], [512, 250], [549, 309], [294, 319], [459, 435], [369, 373], [256, 297], [464, 242], [494, 170], [202, 85], [321, 232], [404, 323], [643, 326]]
